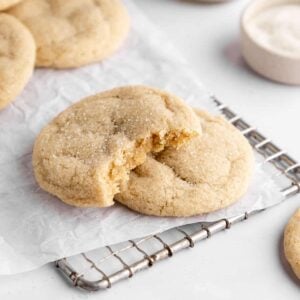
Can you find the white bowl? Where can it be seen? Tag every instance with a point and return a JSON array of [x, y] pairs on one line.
[[271, 64]]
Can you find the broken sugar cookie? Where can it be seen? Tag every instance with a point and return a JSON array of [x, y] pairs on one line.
[[292, 243], [73, 33], [85, 154], [17, 57], [206, 174]]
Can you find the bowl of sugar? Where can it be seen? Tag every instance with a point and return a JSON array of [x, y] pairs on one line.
[[270, 39]]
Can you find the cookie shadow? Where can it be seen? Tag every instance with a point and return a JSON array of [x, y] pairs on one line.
[[284, 263]]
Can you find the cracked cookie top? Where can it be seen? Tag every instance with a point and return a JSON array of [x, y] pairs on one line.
[[5, 4], [292, 243], [85, 154], [17, 56], [73, 33], [206, 174]]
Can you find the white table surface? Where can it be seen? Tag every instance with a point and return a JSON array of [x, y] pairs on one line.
[[245, 262]]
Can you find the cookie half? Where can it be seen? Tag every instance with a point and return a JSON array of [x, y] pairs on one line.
[[72, 33], [85, 154], [17, 56], [292, 243], [5, 4], [206, 174]]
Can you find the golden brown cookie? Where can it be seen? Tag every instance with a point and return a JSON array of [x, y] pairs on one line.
[[73, 33], [206, 174], [5, 4], [17, 56], [292, 243], [86, 152]]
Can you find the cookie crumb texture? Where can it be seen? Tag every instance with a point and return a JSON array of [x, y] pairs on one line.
[[85, 154], [74, 33], [5, 4], [292, 243], [17, 56], [206, 174]]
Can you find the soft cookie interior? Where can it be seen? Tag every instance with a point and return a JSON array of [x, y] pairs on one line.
[[129, 159]]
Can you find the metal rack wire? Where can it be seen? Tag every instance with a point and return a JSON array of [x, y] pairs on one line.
[[88, 270]]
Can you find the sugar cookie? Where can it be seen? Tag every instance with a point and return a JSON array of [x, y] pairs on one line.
[[292, 243], [72, 33], [84, 155], [207, 173], [17, 56], [5, 4]]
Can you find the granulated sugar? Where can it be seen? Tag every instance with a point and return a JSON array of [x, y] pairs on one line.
[[277, 28]]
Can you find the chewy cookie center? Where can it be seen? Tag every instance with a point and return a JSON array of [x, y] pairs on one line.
[[129, 159]]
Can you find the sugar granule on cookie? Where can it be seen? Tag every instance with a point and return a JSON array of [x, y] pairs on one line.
[[292, 243], [85, 154], [208, 173], [73, 33], [17, 57]]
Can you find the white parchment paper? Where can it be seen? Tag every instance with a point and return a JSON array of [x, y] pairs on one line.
[[35, 227]]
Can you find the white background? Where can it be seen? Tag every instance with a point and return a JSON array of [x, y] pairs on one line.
[[245, 262]]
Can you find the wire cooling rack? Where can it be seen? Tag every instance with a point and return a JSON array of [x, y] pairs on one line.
[[101, 268]]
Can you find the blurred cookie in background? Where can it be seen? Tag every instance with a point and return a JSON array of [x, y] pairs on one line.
[[74, 33], [292, 243], [17, 58]]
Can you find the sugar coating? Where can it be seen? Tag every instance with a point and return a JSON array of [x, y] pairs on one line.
[[278, 29], [17, 56], [4, 4], [85, 154], [74, 33], [292, 242], [209, 172]]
